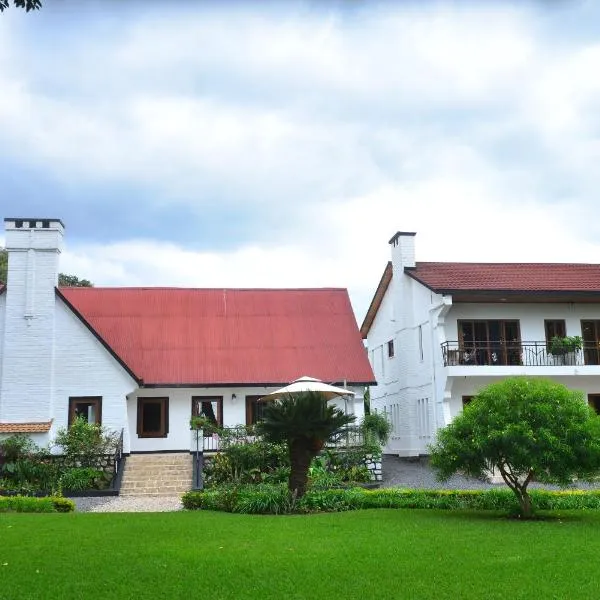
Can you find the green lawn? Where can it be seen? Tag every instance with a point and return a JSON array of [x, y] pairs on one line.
[[374, 554]]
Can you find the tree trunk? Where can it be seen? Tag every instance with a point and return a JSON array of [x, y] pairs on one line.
[[524, 503], [301, 455]]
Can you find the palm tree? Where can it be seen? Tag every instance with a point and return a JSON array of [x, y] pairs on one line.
[[305, 422]]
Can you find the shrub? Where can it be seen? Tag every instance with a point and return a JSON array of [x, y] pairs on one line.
[[264, 499], [26, 504], [377, 428], [84, 444], [82, 478], [528, 430], [62, 504], [251, 462]]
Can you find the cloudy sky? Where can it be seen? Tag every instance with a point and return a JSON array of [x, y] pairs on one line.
[[282, 144]]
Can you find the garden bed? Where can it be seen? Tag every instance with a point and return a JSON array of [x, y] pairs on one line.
[[272, 499]]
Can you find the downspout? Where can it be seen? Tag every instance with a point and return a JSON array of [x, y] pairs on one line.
[[437, 315]]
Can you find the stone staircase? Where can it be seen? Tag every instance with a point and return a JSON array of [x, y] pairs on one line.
[[157, 474]]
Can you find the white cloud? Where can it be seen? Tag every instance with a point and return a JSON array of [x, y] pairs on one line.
[[474, 126]]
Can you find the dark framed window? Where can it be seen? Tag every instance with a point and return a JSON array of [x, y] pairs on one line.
[[390, 349], [209, 406], [153, 417], [594, 402], [489, 342], [86, 407], [554, 328], [254, 409], [466, 400], [590, 332]]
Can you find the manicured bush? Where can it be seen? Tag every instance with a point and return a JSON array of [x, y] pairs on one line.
[[265, 499], [527, 429], [26, 504], [62, 504]]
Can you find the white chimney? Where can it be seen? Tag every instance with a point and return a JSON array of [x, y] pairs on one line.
[[27, 359], [403, 250]]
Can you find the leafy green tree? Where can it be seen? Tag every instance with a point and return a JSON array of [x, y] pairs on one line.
[[26, 4], [73, 281], [63, 280], [3, 265], [526, 429], [305, 422]]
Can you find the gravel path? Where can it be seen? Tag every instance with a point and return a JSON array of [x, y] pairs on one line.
[[128, 504], [416, 473]]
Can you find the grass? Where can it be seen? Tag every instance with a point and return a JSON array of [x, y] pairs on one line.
[[363, 554]]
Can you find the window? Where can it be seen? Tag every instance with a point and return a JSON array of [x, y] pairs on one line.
[[390, 349], [554, 327], [594, 402], [209, 406], [421, 343], [466, 400], [254, 409], [590, 332], [153, 417], [86, 407], [489, 342]]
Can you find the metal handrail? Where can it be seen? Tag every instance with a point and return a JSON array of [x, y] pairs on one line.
[[516, 353]]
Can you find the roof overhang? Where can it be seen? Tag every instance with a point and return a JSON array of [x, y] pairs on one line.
[[382, 287], [521, 296]]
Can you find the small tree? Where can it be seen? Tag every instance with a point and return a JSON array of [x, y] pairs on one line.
[[305, 422], [527, 429]]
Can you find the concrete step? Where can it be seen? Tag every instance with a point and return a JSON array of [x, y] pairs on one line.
[[179, 472]]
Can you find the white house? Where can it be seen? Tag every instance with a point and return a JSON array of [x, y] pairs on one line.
[[438, 332], [143, 360]]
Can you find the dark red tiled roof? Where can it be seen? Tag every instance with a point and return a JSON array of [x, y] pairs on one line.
[[25, 427], [225, 336], [515, 277]]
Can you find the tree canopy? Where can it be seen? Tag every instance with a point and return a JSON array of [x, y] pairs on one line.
[[64, 280], [527, 430], [26, 4], [305, 422]]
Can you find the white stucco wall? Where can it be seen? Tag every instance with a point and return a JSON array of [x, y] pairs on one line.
[[530, 316], [422, 395], [180, 437], [2, 315], [469, 386], [84, 367], [406, 383]]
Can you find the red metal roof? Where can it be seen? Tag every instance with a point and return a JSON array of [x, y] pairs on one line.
[[226, 336], [516, 277]]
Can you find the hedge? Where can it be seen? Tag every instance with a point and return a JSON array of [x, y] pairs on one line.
[[30, 504], [270, 499]]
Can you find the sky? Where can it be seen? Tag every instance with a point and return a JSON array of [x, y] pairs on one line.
[[281, 144]]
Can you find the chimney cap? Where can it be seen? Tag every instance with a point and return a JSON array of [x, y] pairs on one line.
[[395, 237], [28, 219]]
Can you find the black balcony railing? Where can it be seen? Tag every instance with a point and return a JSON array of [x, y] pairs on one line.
[[528, 354]]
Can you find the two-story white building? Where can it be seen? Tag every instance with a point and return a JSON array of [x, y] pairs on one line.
[[439, 331], [144, 360]]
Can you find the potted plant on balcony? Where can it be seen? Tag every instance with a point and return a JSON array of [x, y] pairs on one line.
[[565, 347], [560, 346]]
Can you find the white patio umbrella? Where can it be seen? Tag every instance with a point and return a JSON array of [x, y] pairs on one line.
[[309, 384]]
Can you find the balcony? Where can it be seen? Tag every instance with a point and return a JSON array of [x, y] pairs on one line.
[[516, 354]]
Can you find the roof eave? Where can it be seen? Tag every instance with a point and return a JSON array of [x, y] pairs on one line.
[[377, 299]]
